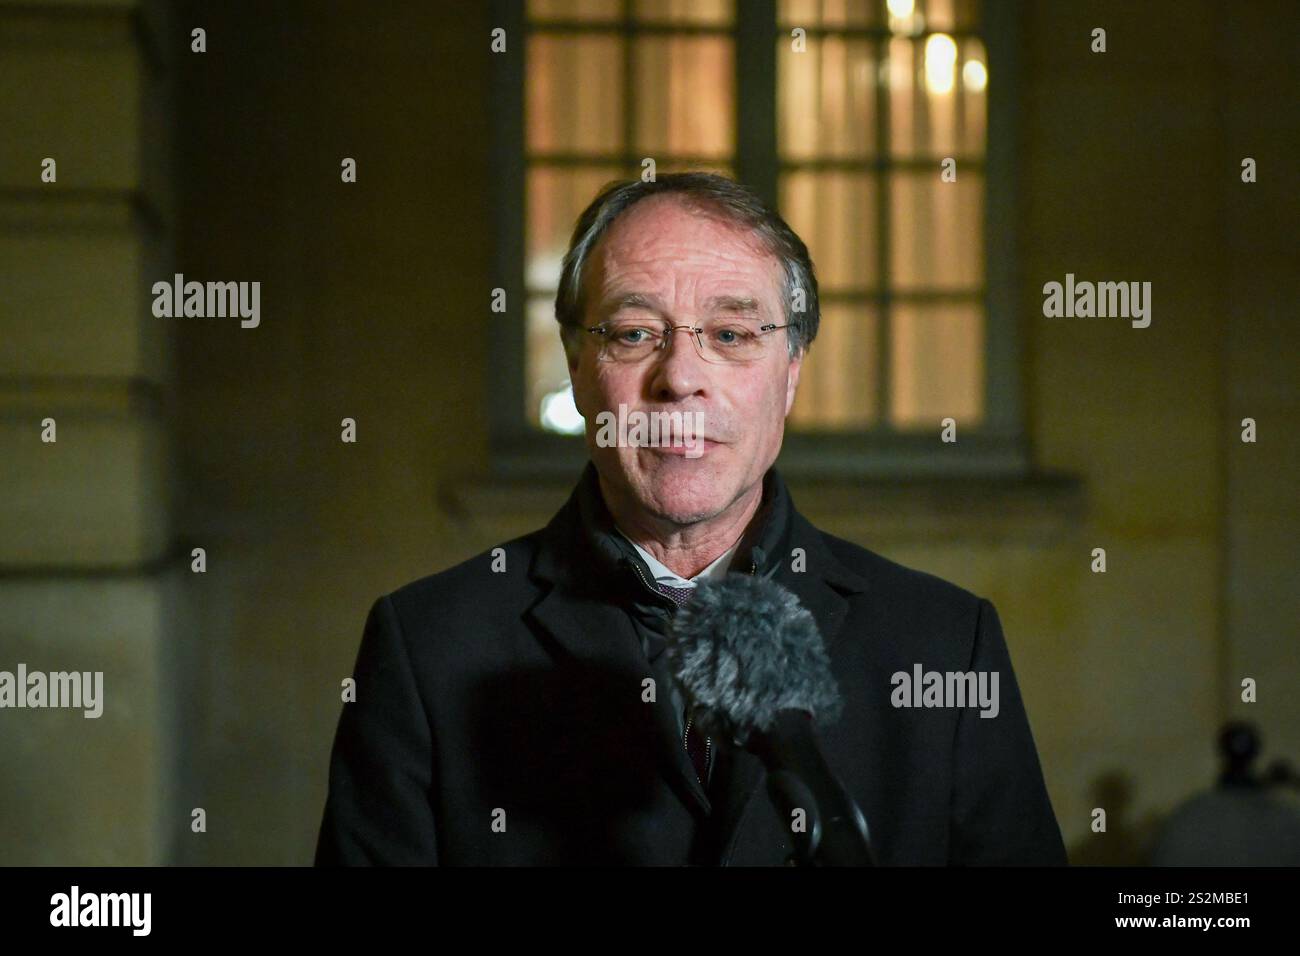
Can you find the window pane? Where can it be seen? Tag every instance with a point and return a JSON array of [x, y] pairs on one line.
[[575, 9], [574, 95], [901, 69], [556, 197], [676, 166], [936, 364], [950, 14], [972, 124], [937, 237], [835, 215], [826, 99], [937, 96], [684, 96], [685, 11], [837, 385], [828, 13]]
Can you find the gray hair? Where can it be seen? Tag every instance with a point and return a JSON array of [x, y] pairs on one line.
[[709, 194]]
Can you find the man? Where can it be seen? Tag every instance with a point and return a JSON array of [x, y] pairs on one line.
[[518, 708]]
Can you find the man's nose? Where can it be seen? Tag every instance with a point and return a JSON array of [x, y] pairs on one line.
[[679, 369]]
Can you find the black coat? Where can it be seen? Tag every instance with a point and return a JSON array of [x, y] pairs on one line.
[[512, 701]]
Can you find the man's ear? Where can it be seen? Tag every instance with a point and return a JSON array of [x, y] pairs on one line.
[[792, 380]]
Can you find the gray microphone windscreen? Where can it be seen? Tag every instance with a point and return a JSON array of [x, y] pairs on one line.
[[743, 648]]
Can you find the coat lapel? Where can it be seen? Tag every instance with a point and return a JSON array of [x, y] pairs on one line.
[[602, 636], [592, 629]]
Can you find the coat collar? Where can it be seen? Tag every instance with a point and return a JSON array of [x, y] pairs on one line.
[[592, 583]]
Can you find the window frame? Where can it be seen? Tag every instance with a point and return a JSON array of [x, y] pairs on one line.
[[998, 447]]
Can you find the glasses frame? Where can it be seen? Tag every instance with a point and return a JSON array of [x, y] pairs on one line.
[[696, 333]]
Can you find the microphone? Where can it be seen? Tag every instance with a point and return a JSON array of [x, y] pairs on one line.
[[751, 662]]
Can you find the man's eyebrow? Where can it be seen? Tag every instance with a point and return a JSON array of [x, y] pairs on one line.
[[620, 300], [733, 303], [742, 304]]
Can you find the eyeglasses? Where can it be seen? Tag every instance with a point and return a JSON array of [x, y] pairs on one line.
[[724, 341]]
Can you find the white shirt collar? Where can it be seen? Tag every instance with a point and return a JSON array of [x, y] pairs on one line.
[[665, 575]]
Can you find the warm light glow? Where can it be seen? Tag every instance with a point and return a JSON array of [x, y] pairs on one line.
[[940, 63], [904, 18], [560, 414], [974, 77]]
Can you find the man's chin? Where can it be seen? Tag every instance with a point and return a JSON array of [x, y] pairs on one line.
[[675, 490], [683, 504]]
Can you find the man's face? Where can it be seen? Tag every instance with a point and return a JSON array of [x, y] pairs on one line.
[[681, 264]]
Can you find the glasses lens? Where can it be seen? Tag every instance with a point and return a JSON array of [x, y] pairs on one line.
[[630, 341], [732, 340]]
